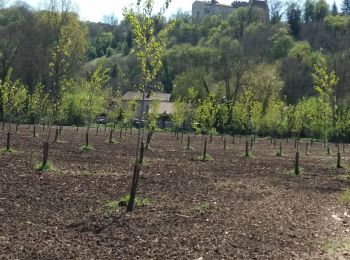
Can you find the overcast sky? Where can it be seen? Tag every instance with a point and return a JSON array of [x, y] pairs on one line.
[[94, 10]]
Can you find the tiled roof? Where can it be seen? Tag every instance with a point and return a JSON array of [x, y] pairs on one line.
[[166, 108]]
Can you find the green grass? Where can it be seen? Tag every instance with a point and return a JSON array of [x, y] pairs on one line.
[[87, 148], [345, 196], [114, 206], [208, 157], [250, 154], [292, 172], [4, 151], [343, 177], [202, 208], [336, 246], [39, 167]]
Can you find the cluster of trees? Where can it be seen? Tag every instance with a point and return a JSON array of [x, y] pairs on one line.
[[262, 71], [316, 116]]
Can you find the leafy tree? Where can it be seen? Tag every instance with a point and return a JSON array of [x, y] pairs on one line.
[[129, 112], [309, 11], [228, 62], [296, 69], [69, 44], [322, 9], [113, 106], [14, 98], [242, 111], [37, 103], [93, 99], [276, 11], [72, 109], [148, 49], [206, 112], [179, 114], [265, 83], [334, 9], [294, 18], [256, 116], [196, 78], [305, 120], [153, 115], [324, 84], [345, 8], [281, 46], [273, 119], [223, 117]]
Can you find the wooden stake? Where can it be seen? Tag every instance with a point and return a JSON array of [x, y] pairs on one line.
[[246, 148], [188, 142], [205, 149], [45, 153], [8, 141], [297, 170]]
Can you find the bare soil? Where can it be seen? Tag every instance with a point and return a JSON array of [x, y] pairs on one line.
[[227, 208]]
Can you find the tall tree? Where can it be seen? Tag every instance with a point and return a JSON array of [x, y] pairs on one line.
[[93, 98], [276, 11], [68, 44], [345, 8], [334, 9], [309, 11], [322, 9], [148, 49], [294, 18]]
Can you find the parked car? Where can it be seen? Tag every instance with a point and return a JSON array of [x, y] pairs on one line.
[[101, 120], [138, 123]]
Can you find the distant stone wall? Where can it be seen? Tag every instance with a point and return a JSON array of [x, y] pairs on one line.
[[201, 9]]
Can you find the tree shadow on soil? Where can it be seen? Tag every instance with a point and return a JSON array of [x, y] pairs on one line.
[[97, 224]]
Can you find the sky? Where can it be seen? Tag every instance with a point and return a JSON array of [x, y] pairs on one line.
[[95, 10]]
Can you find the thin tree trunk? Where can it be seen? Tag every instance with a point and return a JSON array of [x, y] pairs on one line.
[[45, 154], [297, 170], [8, 141]]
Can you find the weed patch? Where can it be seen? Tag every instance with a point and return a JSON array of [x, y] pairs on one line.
[[115, 206], [87, 148], [39, 167], [345, 196]]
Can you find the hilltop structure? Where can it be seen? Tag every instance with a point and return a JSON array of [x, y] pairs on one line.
[[201, 9]]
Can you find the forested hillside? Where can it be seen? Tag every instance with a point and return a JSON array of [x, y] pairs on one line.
[[272, 75]]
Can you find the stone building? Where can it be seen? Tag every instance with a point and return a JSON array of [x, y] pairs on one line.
[[165, 110], [201, 9]]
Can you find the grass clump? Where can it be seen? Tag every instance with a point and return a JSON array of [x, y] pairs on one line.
[[345, 196], [247, 155], [4, 151], [86, 148], [114, 206], [292, 172], [207, 157], [336, 246], [343, 177], [39, 167], [202, 208]]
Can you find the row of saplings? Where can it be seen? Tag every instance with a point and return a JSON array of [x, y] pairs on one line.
[[57, 131], [249, 146], [204, 157]]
